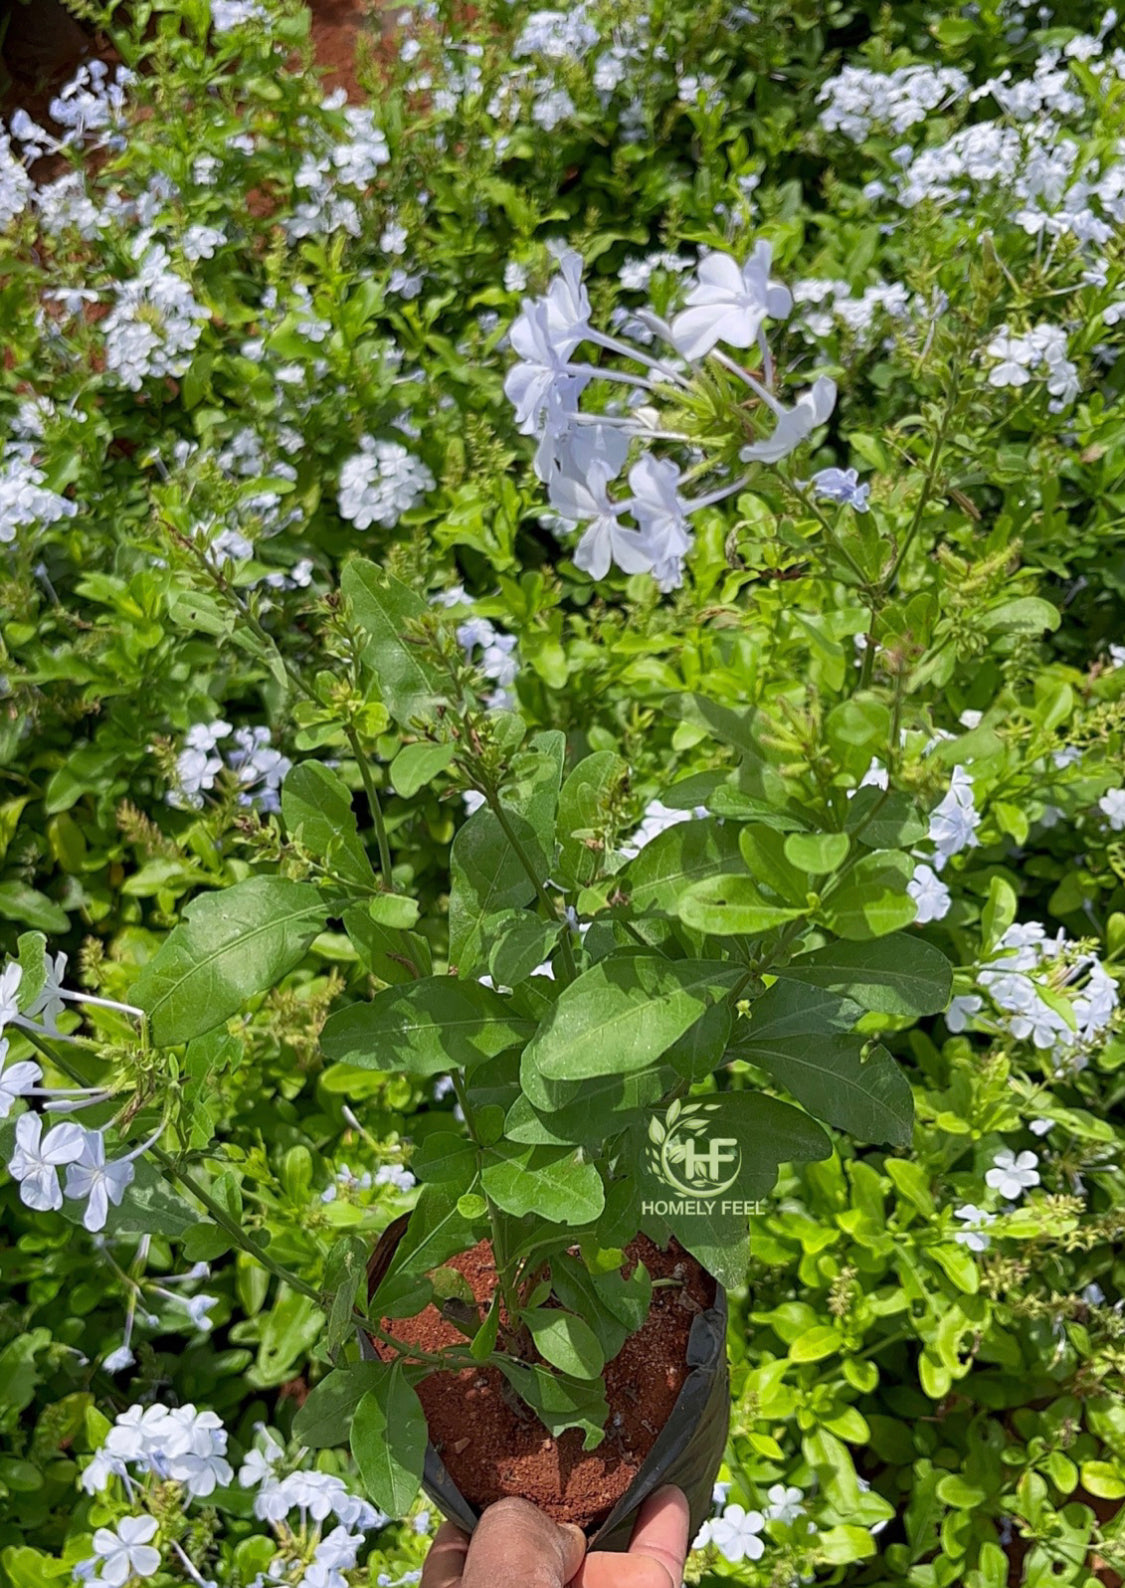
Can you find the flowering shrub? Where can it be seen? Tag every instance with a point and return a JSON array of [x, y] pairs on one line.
[[630, 516]]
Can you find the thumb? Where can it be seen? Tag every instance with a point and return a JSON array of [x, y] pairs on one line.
[[516, 1545]]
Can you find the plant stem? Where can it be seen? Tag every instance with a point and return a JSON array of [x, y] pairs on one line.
[[258, 629], [496, 806], [233, 1228], [927, 486]]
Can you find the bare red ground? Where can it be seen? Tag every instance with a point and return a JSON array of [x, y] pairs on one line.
[[44, 44]]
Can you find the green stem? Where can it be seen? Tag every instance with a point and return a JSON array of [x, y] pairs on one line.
[[927, 486], [257, 628], [822, 519], [499, 1248], [496, 806], [232, 1227], [373, 801]]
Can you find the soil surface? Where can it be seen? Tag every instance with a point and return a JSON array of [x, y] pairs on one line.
[[44, 44], [492, 1448]]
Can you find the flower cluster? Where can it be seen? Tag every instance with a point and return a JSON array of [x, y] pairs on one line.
[[1042, 349], [153, 328], [259, 769], [581, 454], [1047, 990], [497, 659], [380, 482], [25, 500]]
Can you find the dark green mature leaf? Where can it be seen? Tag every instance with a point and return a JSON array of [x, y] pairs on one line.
[[586, 798], [388, 1440], [873, 900], [20, 902], [424, 1028], [582, 1112], [869, 1099], [435, 1233], [552, 1182], [621, 1014], [791, 1009], [613, 1306], [325, 1418], [883, 820], [897, 975], [487, 877], [386, 952], [317, 807], [566, 1341], [407, 684], [519, 946], [229, 947], [731, 907], [676, 858], [559, 1401], [702, 1048]]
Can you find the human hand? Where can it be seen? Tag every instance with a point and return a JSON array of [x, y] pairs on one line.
[[515, 1545]]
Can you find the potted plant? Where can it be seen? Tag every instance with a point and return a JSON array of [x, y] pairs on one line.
[[549, 1320]]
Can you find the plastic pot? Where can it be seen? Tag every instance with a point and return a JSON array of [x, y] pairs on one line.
[[687, 1452]]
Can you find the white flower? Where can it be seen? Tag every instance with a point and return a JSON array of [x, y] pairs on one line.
[[380, 482], [954, 822], [1040, 1127], [1112, 806], [1012, 1176], [605, 541], [729, 303], [930, 894], [841, 485], [785, 1504], [127, 1552], [961, 1010], [735, 1534], [35, 1163], [337, 1550], [16, 1080], [117, 1360], [795, 424], [973, 1235], [90, 1178], [660, 511], [1014, 354]]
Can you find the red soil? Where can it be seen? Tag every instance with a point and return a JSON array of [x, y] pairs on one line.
[[493, 1445]]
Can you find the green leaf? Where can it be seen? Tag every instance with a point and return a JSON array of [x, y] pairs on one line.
[[677, 857], [415, 765], [442, 1155], [386, 952], [394, 911], [230, 946], [317, 808], [788, 1009], [388, 1440], [613, 1306], [817, 853], [325, 1418], [1022, 615], [764, 850], [553, 1183], [621, 1014], [521, 945], [407, 684], [731, 906], [999, 913], [585, 802], [559, 1401], [898, 975], [436, 1232], [873, 901], [31, 950], [18, 902], [565, 1341], [584, 1112], [869, 1099], [487, 877], [424, 1028], [883, 820]]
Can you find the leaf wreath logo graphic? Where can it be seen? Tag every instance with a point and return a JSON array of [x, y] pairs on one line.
[[687, 1152]]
